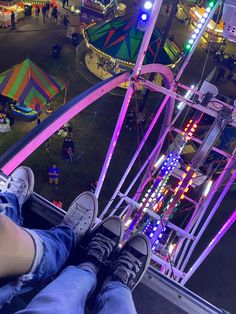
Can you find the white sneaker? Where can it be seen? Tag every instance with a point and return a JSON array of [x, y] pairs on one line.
[[20, 183], [81, 214]]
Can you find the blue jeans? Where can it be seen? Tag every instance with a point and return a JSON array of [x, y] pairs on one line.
[[52, 249], [69, 291]]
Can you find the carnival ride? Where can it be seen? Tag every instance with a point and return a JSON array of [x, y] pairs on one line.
[[170, 184], [92, 10], [119, 40]]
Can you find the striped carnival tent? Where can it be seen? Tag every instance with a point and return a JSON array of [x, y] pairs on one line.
[[29, 85]]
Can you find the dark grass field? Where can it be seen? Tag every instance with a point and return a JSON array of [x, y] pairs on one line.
[[92, 131]]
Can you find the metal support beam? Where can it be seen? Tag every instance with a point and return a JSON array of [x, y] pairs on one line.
[[213, 134], [135, 73], [180, 231], [189, 199], [193, 138], [179, 98], [196, 92], [151, 126], [207, 221], [167, 266], [203, 207], [210, 247]]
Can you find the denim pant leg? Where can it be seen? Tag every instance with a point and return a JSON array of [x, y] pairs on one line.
[[9, 206], [67, 294], [53, 248], [115, 298]]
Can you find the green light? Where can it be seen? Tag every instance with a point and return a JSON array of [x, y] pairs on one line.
[[211, 4], [188, 46]]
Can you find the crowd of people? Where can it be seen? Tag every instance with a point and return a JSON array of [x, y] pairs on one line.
[[51, 13]]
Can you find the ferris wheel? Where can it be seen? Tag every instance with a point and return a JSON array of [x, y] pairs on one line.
[[170, 184]]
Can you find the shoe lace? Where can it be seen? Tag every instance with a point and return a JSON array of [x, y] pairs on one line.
[[74, 218], [17, 185], [101, 246], [127, 266]]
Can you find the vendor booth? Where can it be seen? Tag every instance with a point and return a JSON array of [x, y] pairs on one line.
[[30, 88], [6, 8]]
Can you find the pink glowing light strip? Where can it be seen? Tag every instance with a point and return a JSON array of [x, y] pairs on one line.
[[78, 106]]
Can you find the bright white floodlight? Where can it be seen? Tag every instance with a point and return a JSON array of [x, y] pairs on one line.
[[147, 5]]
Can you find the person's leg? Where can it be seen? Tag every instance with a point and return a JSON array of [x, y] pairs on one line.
[[128, 268], [17, 249], [56, 181], [38, 254], [55, 245], [68, 293], [115, 298], [13, 239]]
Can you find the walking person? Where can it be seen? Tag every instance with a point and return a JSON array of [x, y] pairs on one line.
[[53, 175], [221, 74], [13, 21], [54, 14], [66, 21], [68, 148], [129, 120], [47, 5], [44, 12], [37, 10], [48, 145]]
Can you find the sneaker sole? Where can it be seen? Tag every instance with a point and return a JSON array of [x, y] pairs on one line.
[[90, 219], [30, 179]]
